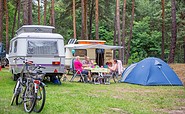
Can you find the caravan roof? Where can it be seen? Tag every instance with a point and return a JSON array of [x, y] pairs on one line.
[[35, 28], [38, 35]]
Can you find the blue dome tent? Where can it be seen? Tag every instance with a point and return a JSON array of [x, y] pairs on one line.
[[150, 71]]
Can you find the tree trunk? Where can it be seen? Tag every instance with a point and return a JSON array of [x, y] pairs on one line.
[[96, 20], [7, 23], [115, 34], [131, 26], [38, 12], [163, 29], [123, 32], [85, 7], [173, 32], [83, 32], [91, 8], [15, 15], [1, 20], [19, 11], [184, 49], [74, 20], [30, 12], [53, 13], [118, 26], [45, 8], [25, 12]]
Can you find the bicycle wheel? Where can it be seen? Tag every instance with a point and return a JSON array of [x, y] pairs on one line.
[[19, 97], [29, 97], [12, 100], [16, 90], [41, 97]]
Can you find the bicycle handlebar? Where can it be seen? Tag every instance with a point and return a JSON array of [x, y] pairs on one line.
[[19, 58], [40, 67], [26, 62]]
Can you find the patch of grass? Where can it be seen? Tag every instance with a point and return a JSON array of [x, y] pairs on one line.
[[73, 97]]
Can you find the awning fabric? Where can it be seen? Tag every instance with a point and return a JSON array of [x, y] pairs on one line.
[[94, 46]]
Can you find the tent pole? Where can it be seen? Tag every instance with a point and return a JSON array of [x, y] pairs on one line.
[[166, 77]]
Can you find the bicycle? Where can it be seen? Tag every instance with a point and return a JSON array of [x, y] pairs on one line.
[[40, 89], [30, 88]]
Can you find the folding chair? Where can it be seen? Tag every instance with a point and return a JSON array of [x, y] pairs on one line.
[[115, 76], [77, 73], [70, 69]]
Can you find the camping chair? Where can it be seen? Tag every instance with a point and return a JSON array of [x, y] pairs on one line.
[[70, 69], [115, 75], [77, 73]]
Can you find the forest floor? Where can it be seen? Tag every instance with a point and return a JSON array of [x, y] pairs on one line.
[[180, 71]]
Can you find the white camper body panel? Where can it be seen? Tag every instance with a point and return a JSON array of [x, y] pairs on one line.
[[40, 55], [90, 52]]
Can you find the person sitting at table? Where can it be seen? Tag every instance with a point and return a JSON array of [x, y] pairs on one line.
[[78, 66], [114, 67], [107, 64], [86, 61], [92, 64]]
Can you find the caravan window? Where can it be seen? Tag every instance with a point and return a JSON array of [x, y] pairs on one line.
[[10, 47], [15, 46], [81, 52], [42, 47]]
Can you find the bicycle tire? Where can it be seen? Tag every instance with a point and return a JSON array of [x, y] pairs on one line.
[[15, 90], [12, 100], [29, 97], [41, 97], [19, 97]]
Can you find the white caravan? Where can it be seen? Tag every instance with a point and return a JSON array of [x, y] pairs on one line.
[[38, 44]]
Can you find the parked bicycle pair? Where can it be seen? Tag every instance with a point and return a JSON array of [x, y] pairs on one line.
[[29, 88]]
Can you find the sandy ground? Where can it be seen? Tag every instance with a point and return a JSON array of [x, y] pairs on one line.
[[180, 71]]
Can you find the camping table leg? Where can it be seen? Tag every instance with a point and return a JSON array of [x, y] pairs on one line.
[[95, 79], [107, 79]]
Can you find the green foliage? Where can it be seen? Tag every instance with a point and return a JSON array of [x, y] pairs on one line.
[[146, 39], [134, 58], [104, 34], [145, 43]]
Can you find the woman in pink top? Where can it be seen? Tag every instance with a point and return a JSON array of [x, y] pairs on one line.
[[78, 66]]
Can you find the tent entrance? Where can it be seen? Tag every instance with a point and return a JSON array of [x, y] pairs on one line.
[[100, 56]]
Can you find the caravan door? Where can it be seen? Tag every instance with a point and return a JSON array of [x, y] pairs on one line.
[[100, 56]]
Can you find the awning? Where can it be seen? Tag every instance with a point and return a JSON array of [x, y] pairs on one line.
[[92, 46]]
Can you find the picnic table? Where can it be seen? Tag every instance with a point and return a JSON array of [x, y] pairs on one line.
[[98, 70], [103, 74]]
